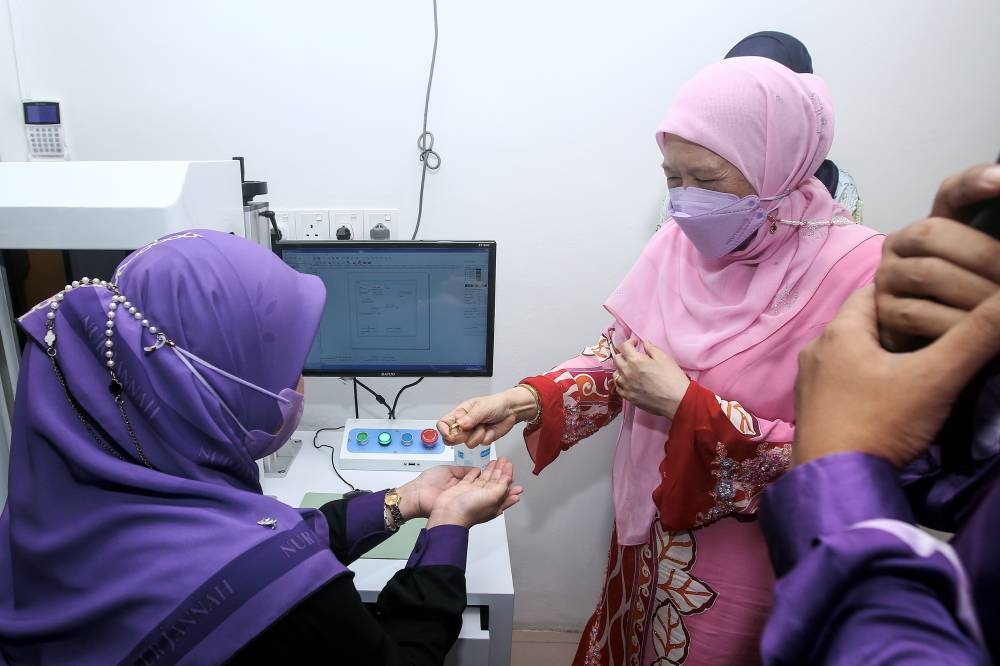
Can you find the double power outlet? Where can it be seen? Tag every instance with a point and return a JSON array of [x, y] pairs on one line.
[[339, 224]]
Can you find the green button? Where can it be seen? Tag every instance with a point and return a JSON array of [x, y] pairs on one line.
[[384, 438], [362, 437]]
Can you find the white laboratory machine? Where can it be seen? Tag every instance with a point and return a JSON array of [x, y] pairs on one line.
[[60, 221]]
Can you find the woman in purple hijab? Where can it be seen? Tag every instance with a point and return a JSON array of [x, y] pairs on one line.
[[135, 526]]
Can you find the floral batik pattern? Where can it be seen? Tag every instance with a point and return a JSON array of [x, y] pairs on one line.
[[578, 398], [716, 461], [739, 485], [648, 591], [744, 422]]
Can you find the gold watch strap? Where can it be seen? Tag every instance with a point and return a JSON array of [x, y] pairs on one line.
[[390, 524], [397, 515]]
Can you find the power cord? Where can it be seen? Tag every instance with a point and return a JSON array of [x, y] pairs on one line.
[[425, 142], [395, 401], [316, 438], [356, 414], [378, 398], [333, 452], [276, 236], [391, 409]]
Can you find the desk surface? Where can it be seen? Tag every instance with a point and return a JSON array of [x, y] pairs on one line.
[[488, 566]]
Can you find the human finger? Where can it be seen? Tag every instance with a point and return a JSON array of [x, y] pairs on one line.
[[917, 316], [948, 240], [966, 187], [969, 345]]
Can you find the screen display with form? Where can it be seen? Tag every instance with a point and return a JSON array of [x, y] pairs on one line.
[[417, 308]]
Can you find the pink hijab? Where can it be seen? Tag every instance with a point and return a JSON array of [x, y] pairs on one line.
[[776, 127]]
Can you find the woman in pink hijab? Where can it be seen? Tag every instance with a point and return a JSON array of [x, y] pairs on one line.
[[700, 361]]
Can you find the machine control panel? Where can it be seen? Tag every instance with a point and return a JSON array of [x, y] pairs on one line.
[[386, 437], [402, 444]]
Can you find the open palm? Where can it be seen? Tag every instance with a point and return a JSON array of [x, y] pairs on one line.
[[478, 497], [432, 482]]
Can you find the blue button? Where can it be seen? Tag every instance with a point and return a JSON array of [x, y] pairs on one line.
[[407, 439]]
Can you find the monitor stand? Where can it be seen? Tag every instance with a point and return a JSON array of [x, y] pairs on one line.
[[278, 463]]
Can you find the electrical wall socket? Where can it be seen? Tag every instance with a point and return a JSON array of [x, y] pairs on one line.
[[381, 224], [346, 224], [312, 225], [286, 224]]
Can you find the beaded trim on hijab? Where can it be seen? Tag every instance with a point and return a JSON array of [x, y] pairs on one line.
[[119, 305], [837, 221]]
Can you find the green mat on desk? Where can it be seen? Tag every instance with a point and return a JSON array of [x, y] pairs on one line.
[[396, 547]]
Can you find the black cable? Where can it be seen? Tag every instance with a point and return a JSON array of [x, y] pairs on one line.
[[340, 476], [276, 236], [379, 399], [316, 437], [392, 412], [425, 142], [333, 453], [356, 414]]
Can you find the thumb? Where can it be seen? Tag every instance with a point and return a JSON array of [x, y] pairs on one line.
[[652, 351], [858, 312]]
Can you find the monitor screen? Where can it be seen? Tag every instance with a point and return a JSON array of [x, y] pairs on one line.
[[404, 309]]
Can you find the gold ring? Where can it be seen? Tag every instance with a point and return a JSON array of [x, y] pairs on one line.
[[616, 378]]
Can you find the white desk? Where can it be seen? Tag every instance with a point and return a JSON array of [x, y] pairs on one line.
[[488, 577]]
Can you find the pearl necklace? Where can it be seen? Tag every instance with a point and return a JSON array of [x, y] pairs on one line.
[[118, 304]]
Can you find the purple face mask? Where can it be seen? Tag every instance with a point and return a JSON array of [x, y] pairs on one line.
[[716, 222], [259, 443]]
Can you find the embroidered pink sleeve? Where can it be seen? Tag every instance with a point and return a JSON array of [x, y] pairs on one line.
[[718, 460], [578, 399]]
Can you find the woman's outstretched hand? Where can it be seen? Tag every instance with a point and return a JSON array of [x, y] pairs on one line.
[[478, 497]]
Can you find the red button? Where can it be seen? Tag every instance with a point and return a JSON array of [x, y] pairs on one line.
[[429, 437]]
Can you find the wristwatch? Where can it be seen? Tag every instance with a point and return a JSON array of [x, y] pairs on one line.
[[393, 516]]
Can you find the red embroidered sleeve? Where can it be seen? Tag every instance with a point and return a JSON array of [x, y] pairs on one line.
[[717, 462], [578, 399]]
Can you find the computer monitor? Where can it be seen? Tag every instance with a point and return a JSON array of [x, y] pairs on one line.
[[401, 308]]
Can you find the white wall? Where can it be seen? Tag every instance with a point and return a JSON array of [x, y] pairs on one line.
[[10, 148], [544, 114]]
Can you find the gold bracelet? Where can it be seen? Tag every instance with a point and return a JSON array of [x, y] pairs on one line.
[[538, 405]]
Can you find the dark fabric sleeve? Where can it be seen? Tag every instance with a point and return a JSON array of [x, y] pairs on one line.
[[415, 621], [356, 525]]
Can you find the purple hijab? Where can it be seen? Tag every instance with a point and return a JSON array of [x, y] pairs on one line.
[[113, 562]]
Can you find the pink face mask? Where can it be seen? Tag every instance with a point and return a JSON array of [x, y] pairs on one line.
[[716, 223], [259, 443]]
